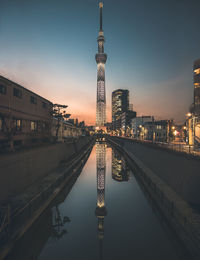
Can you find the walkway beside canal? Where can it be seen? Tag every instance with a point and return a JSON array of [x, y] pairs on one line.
[[24, 208], [180, 172], [171, 181], [127, 228]]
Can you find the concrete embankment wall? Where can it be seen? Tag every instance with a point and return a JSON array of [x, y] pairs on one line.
[[24, 209], [21, 169], [180, 172], [182, 218]]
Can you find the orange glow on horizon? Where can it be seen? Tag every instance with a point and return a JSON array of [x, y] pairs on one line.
[[81, 97]]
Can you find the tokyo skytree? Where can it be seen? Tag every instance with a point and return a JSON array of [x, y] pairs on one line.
[[101, 58]]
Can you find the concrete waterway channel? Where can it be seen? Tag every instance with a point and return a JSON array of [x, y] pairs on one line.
[[103, 215]]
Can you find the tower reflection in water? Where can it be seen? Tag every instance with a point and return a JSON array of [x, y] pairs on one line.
[[120, 170], [101, 211]]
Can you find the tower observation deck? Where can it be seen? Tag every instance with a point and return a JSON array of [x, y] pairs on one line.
[[101, 58]]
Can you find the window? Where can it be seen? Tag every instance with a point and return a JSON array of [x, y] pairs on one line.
[[1, 124], [17, 92], [44, 105], [2, 89], [33, 126], [197, 71], [33, 100], [196, 85], [159, 127], [17, 123], [44, 126]]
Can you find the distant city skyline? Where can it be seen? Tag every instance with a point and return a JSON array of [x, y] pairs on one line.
[[49, 48]]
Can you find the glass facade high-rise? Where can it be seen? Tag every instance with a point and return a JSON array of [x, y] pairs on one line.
[[101, 58], [197, 87], [120, 103]]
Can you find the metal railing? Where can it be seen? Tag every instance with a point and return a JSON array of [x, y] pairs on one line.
[[182, 217], [178, 147]]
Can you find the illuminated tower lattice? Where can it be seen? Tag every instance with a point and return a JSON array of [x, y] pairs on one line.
[[101, 172], [101, 58]]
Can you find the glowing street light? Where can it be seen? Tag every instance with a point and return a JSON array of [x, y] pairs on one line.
[[189, 114]]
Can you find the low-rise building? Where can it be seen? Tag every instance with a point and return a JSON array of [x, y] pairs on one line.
[[137, 123], [126, 118], [25, 117], [157, 131], [196, 110], [63, 130]]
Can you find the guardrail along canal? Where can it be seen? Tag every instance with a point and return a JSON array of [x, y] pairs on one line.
[[105, 215]]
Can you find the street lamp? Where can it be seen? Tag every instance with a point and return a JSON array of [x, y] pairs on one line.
[[191, 134], [188, 114]]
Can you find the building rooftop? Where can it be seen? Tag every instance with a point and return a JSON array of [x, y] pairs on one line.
[[160, 122], [119, 89], [197, 64], [18, 85]]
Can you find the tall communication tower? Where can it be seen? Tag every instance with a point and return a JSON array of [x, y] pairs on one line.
[[101, 58]]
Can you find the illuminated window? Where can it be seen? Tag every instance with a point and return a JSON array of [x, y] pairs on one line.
[[2, 89], [17, 123], [33, 126], [197, 71], [159, 127], [1, 124], [196, 85]]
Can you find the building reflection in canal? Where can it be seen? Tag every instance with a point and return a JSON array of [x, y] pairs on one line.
[[120, 170], [101, 211], [140, 234]]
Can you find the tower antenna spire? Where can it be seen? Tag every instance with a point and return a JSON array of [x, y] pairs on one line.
[[101, 16], [101, 58]]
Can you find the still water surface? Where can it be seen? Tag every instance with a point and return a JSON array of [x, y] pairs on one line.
[[105, 215]]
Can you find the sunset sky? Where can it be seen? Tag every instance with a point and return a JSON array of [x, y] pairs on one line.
[[49, 47]]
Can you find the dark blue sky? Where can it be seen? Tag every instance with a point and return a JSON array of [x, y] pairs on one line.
[[49, 47]]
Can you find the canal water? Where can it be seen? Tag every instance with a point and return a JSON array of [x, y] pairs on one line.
[[104, 215]]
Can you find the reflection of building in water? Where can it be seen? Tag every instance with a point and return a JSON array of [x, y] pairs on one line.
[[120, 171], [101, 172]]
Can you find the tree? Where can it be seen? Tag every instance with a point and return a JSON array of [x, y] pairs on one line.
[[60, 114]]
